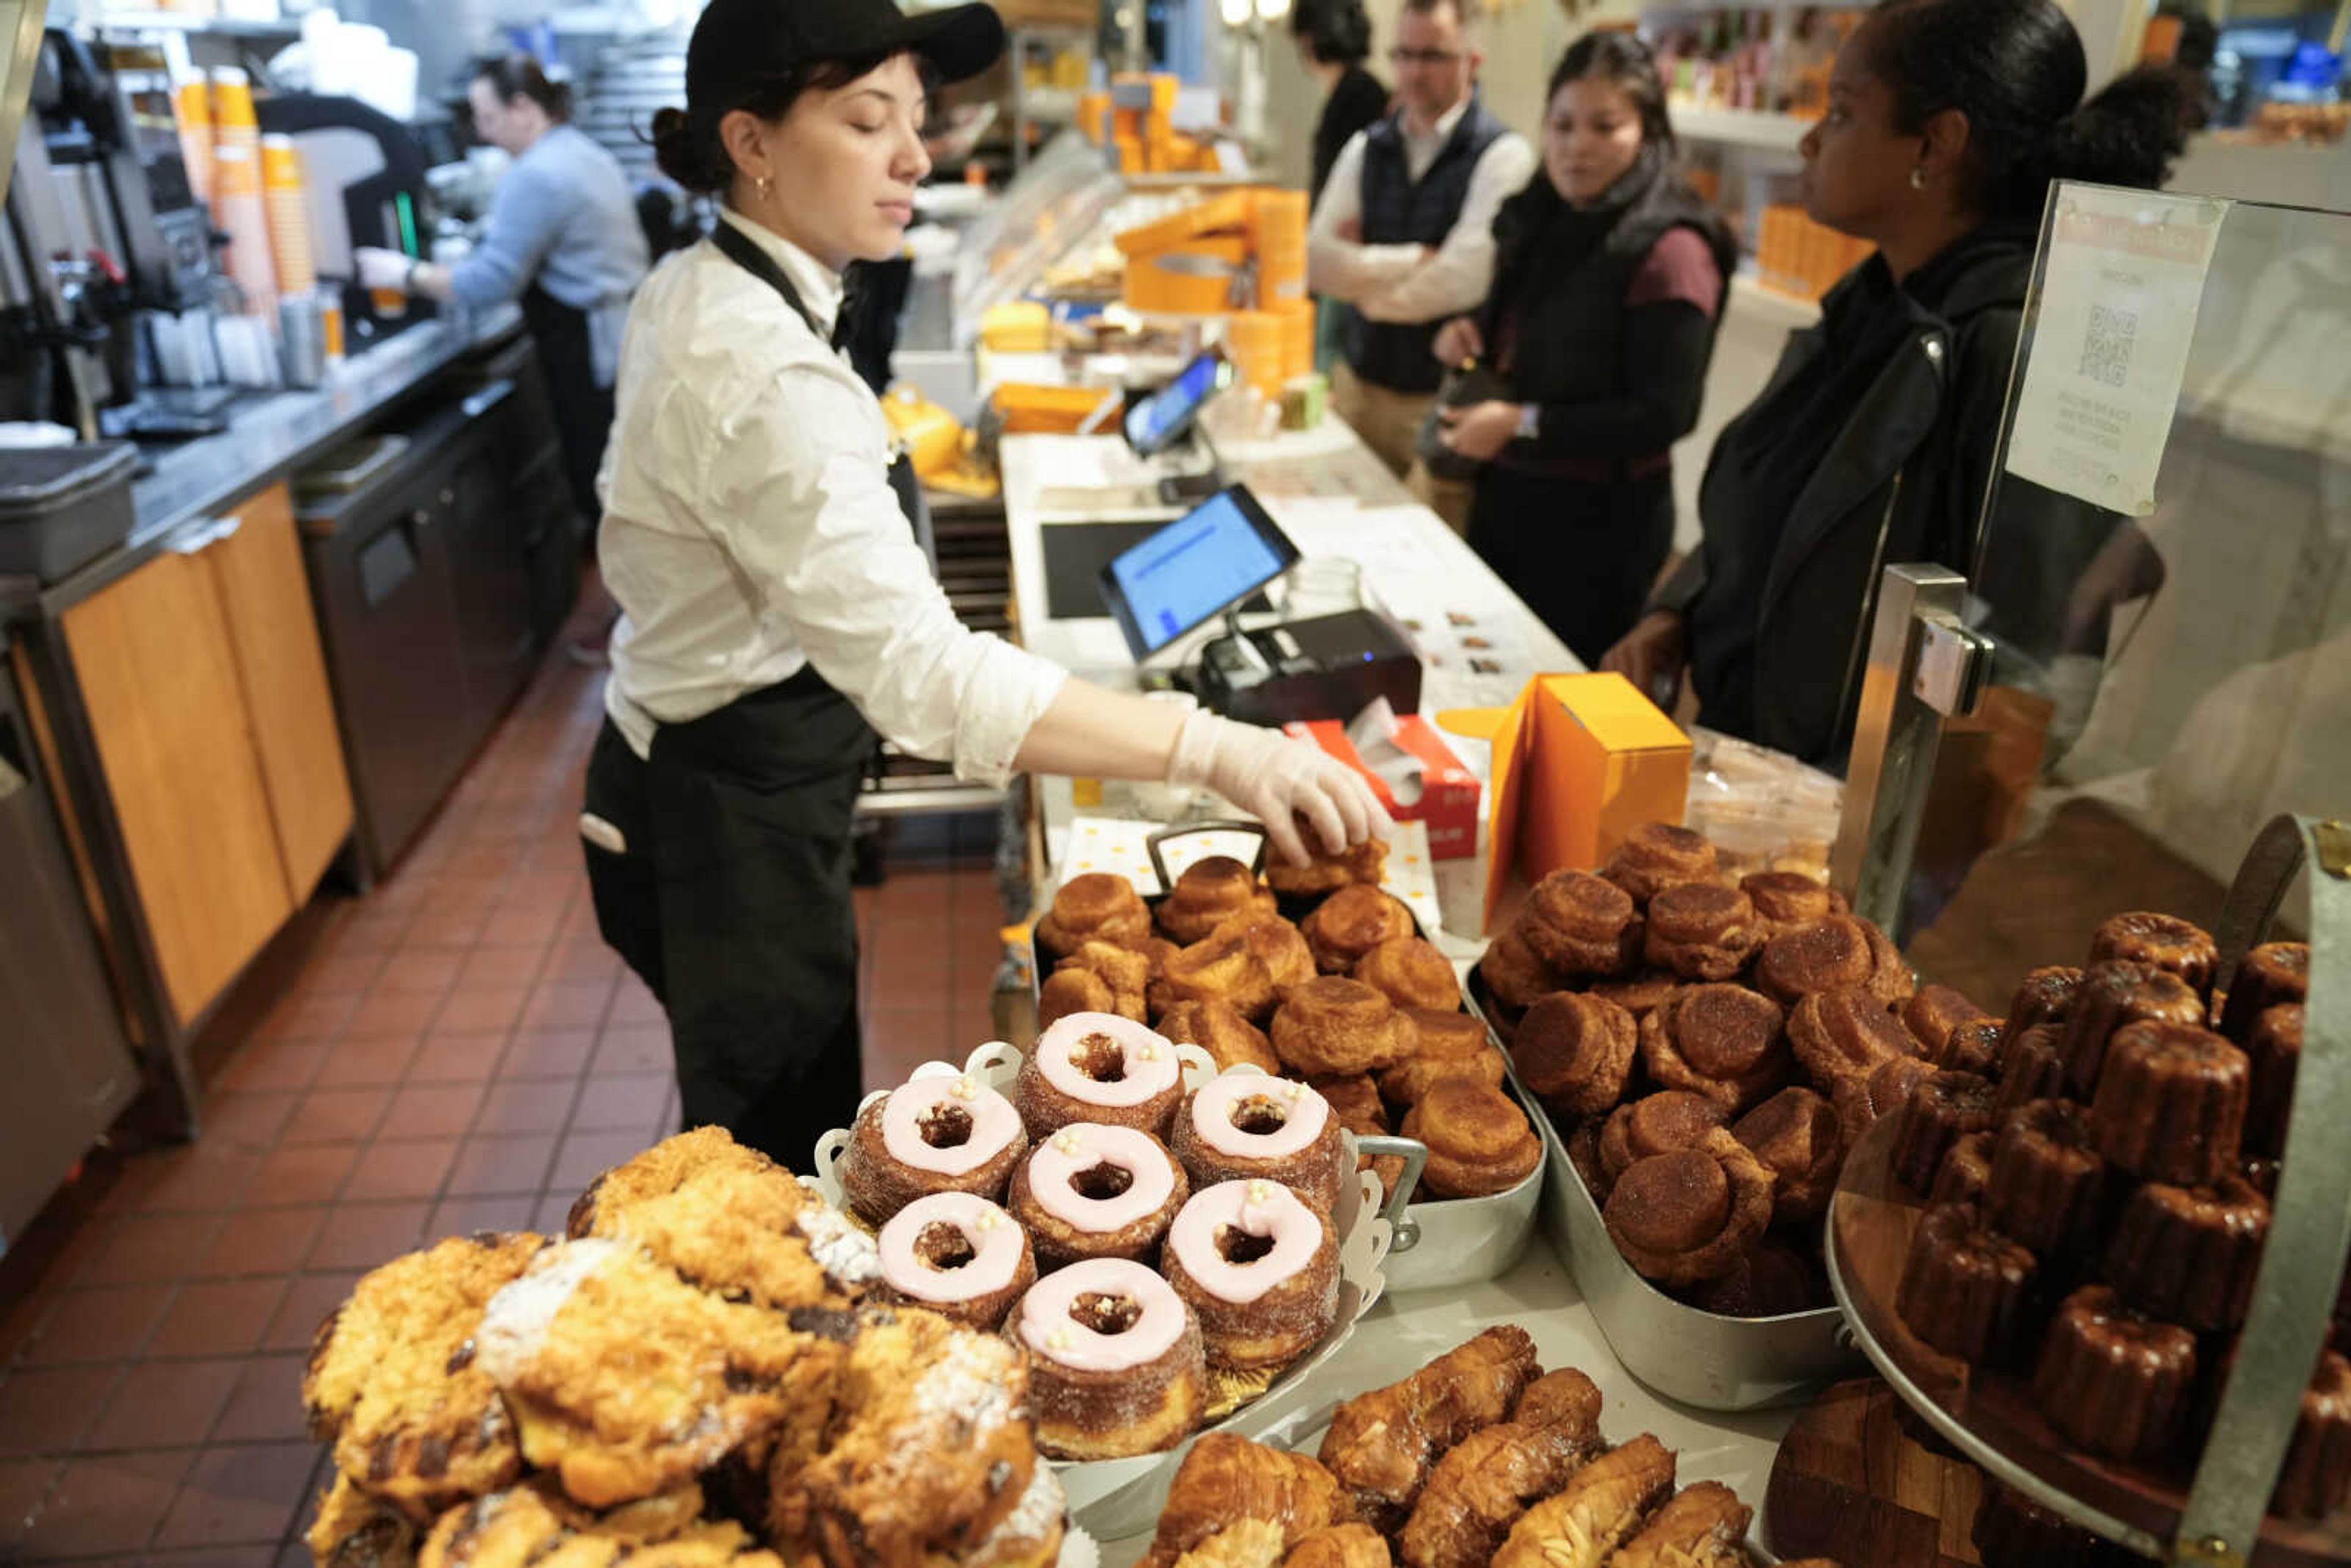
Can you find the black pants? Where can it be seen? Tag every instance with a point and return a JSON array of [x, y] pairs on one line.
[[733, 905], [1583, 557]]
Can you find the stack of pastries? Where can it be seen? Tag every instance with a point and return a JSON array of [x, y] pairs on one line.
[[1348, 999], [1481, 1458], [697, 1374], [1161, 1254], [2096, 1183], [1709, 1047]]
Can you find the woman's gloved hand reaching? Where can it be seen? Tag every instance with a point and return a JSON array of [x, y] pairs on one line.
[[1278, 780]]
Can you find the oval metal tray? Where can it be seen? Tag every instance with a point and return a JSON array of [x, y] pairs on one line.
[[1699, 1358]]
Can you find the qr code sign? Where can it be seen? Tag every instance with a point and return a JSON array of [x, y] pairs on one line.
[[2107, 347]]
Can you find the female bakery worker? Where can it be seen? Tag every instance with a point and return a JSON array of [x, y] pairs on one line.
[[1873, 443], [1608, 281], [777, 612], [563, 237]]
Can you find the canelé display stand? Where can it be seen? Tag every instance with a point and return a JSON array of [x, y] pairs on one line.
[[2213, 1515]]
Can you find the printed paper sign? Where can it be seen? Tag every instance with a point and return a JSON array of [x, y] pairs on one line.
[[2118, 314]]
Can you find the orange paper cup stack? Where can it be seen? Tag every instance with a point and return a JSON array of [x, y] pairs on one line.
[[1297, 317], [1254, 341], [1280, 221], [192, 100], [288, 210], [237, 208]]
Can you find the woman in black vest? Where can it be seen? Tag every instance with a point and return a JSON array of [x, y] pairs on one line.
[[1608, 281], [1872, 444]]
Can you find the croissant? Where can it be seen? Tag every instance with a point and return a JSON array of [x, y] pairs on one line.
[[1246, 1543], [1225, 1479], [1702, 1528], [1598, 1511], [1382, 1445], [1340, 1546], [1480, 1489]]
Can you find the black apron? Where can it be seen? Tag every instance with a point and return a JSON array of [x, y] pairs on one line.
[[732, 902], [583, 411]]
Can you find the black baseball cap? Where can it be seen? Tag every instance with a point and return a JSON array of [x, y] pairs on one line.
[[743, 44]]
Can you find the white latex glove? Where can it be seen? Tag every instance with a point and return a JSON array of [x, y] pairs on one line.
[[382, 268], [1278, 779]]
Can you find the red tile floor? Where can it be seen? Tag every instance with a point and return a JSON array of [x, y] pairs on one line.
[[453, 1051]]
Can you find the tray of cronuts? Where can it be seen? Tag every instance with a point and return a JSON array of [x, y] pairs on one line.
[[1174, 1247], [1479, 1459], [2060, 1245], [1317, 974], [1707, 1048], [699, 1372]]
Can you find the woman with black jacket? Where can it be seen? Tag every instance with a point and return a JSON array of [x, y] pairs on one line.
[[1609, 279], [1875, 439], [1334, 38]]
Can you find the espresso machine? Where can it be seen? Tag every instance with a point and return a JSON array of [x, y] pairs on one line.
[[107, 274]]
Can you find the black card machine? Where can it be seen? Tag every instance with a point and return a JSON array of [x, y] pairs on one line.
[[1328, 667], [1162, 422]]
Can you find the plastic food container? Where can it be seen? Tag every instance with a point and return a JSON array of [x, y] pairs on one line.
[[61, 508]]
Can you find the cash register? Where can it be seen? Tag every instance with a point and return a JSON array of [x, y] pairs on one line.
[[1208, 564]]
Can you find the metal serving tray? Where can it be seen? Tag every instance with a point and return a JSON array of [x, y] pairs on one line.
[[1700, 1359], [1441, 1242]]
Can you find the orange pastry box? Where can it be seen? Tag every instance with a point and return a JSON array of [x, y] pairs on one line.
[[1579, 761]]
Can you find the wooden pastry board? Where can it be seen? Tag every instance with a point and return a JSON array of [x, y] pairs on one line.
[[1853, 1484]]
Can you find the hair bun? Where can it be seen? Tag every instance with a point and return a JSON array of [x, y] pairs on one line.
[[676, 152]]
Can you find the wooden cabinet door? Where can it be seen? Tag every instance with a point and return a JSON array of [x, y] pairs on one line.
[[158, 674], [282, 673]]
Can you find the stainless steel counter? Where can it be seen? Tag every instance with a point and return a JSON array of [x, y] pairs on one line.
[[271, 437]]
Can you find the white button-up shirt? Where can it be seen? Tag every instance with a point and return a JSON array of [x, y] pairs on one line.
[[1392, 282], [750, 530]]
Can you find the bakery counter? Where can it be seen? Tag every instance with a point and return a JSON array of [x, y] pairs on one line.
[[189, 486], [1071, 501], [1405, 1333], [267, 681]]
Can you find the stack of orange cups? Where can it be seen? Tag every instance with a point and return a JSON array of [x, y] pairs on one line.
[[1297, 319], [288, 210], [1254, 341], [1281, 226], [237, 209], [193, 101]]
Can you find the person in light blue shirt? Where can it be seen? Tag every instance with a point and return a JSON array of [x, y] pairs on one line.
[[563, 239]]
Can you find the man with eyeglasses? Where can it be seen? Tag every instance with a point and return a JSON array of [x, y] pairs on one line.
[[1404, 234]]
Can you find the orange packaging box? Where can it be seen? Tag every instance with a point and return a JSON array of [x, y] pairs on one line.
[[1579, 762], [1448, 796]]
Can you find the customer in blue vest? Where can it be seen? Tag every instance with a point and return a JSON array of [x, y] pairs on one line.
[[1608, 284], [1404, 234]]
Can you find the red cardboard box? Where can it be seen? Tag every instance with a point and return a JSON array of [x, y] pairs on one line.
[[1447, 798]]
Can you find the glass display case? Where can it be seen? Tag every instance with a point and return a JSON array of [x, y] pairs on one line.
[[2163, 678]]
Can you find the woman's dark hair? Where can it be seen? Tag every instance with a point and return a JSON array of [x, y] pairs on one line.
[[519, 75], [1337, 31], [2016, 69], [687, 143], [1624, 63]]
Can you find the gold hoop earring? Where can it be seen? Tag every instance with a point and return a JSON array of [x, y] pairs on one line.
[[1917, 178]]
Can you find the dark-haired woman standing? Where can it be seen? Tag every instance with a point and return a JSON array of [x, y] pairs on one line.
[[1608, 283], [563, 239], [777, 611], [1874, 441], [1334, 38]]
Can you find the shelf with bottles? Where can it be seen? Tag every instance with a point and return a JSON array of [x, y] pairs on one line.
[[1753, 76]]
